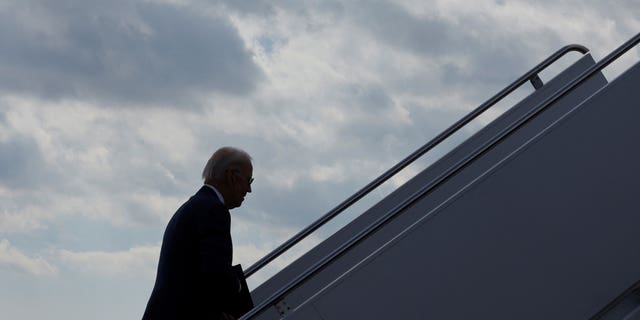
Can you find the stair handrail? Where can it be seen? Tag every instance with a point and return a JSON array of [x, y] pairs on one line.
[[633, 290], [531, 76], [441, 178]]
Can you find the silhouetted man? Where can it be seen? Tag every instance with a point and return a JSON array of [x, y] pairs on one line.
[[195, 279]]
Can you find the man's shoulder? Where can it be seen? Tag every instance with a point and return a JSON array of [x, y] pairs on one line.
[[205, 200], [204, 211], [206, 196]]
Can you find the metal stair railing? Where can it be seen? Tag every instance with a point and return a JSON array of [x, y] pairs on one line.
[[448, 173], [624, 306], [531, 76]]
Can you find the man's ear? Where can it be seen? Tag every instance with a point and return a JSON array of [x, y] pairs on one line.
[[228, 176]]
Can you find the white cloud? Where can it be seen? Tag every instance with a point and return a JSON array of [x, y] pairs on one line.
[[137, 261], [322, 173], [153, 207], [79, 159], [28, 217], [13, 259], [168, 132], [21, 222]]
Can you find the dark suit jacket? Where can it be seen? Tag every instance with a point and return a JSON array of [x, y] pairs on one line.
[[195, 279]]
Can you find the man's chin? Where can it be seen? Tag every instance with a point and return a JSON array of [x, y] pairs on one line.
[[237, 204]]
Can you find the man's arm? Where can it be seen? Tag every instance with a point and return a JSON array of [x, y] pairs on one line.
[[215, 254]]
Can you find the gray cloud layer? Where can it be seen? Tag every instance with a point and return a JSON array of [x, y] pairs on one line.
[[120, 52]]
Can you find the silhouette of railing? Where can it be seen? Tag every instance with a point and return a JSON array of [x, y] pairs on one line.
[[531, 76]]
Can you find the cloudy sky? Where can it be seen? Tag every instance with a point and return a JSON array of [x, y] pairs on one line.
[[110, 109]]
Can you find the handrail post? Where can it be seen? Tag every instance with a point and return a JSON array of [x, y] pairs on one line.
[[536, 82]]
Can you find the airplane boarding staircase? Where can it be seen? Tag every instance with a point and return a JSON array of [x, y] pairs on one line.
[[533, 217]]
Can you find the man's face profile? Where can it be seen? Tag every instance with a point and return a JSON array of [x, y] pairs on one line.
[[241, 179]]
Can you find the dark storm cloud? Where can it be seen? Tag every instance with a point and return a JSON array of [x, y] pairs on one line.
[[120, 51], [473, 50], [397, 27], [257, 7], [432, 35]]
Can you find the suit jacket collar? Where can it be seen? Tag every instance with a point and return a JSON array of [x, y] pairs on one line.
[[216, 192], [204, 190]]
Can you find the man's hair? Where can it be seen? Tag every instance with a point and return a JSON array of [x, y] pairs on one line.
[[223, 159]]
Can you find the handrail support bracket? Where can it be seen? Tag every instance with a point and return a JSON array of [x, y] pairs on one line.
[[536, 82]]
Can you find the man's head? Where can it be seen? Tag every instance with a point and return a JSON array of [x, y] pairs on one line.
[[229, 170]]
